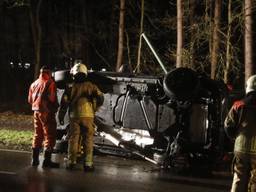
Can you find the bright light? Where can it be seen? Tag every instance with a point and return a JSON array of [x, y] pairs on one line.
[[27, 65]]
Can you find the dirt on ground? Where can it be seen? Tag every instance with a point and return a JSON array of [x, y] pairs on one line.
[[14, 121], [16, 116]]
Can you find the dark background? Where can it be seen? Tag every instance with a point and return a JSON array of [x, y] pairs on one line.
[[88, 30]]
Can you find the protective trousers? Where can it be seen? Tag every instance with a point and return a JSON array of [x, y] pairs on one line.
[[83, 126], [244, 173], [44, 130]]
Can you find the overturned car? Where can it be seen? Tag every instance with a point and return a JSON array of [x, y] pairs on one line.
[[174, 121]]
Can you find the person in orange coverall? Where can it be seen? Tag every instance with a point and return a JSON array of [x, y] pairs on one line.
[[43, 99]]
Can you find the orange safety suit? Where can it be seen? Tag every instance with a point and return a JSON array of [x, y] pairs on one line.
[[43, 99]]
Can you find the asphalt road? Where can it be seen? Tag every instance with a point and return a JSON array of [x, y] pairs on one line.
[[112, 174]]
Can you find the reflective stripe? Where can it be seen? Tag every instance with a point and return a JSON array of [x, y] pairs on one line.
[[253, 144], [245, 144], [35, 95]]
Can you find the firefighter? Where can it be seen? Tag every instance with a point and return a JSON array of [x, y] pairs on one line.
[[84, 99], [43, 99], [240, 125]]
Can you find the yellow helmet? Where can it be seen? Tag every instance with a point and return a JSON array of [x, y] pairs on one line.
[[78, 68], [251, 84]]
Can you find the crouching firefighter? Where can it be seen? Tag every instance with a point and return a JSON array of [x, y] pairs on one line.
[[83, 100], [42, 97], [240, 125]]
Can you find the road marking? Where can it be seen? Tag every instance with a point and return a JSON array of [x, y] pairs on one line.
[[15, 151], [7, 173]]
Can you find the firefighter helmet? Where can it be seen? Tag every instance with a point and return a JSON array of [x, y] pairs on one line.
[[251, 84], [78, 68]]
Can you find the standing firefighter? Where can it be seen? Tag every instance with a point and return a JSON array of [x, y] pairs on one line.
[[83, 101], [42, 97], [240, 125]]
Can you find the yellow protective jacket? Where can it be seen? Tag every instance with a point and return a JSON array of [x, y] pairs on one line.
[[240, 124], [83, 100]]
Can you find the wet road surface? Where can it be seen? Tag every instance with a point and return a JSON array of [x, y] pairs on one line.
[[112, 174]]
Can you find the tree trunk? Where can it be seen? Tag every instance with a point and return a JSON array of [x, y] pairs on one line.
[[208, 20], [36, 33], [192, 4], [4, 72], [179, 33], [248, 39], [216, 38], [129, 67], [120, 36], [140, 40], [228, 48], [85, 44], [112, 40]]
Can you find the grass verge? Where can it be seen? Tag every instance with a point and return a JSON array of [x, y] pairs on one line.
[[16, 139]]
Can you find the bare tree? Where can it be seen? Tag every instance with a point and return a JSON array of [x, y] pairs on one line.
[[192, 4], [179, 33], [216, 38], [86, 34], [228, 47], [248, 39], [36, 33], [141, 31], [120, 36]]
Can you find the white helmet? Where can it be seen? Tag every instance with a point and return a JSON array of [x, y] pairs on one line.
[[78, 68], [251, 84]]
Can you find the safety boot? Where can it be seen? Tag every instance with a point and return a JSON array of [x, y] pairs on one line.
[[89, 168], [69, 165], [35, 157], [48, 162]]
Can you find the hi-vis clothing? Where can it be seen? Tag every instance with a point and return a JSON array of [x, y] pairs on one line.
[[43, 99], [241, 121], [240, 125], [83, 101], [44, 130], [42, 94], [84, 127]]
